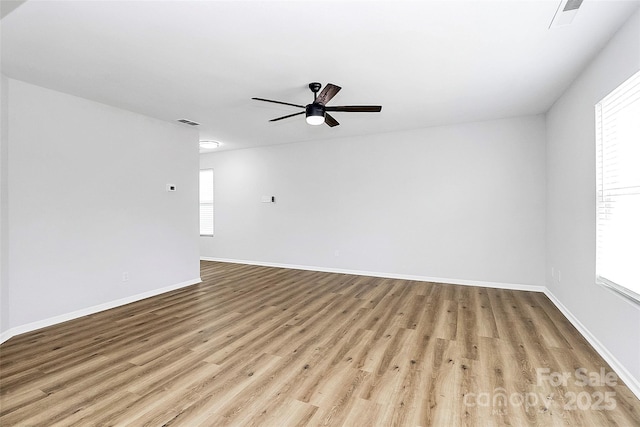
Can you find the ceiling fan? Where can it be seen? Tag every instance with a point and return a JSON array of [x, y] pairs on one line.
[[318, 112]]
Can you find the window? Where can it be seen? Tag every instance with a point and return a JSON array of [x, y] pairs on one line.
[[206, 202], [618, 189]]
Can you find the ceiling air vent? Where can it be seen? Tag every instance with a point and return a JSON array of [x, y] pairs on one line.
[[572, 5], [567, 10], [189, 122]]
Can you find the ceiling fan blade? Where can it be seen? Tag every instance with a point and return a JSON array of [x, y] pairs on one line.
[[329, 120], [278, 102], [327, 93], [357, 108], [286, 117]]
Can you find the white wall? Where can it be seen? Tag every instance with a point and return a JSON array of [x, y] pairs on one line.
[[571, 221], [463, 202], [4, 143], [87, 202]]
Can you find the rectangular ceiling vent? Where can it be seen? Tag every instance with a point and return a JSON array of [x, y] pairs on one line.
[[567, 10], [572, 5], [189, 122]]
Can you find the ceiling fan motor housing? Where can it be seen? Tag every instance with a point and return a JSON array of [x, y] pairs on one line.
[[314, 113], [314, 110]]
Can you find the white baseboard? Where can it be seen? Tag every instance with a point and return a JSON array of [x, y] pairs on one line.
[[622, 372], [5, 336], [91, 310], [464, 282]]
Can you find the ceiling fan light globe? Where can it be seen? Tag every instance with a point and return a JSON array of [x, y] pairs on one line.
[[315, 120]]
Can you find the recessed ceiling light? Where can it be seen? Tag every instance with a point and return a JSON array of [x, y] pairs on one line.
[[209, 144]]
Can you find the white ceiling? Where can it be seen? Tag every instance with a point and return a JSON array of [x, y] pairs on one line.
[[426, 62]]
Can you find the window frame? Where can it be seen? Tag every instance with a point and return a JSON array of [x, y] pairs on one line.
[[607, 111]]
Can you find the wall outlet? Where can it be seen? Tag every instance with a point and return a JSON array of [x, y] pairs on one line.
[[336, 253], [171, 187], [125, 276]]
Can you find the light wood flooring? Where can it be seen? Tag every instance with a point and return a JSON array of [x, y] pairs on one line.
[[259, 346]]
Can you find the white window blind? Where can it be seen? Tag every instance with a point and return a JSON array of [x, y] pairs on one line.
[[618, 189], [206, 202]]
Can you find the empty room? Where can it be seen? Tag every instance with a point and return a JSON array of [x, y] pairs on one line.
[[336, 213]]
